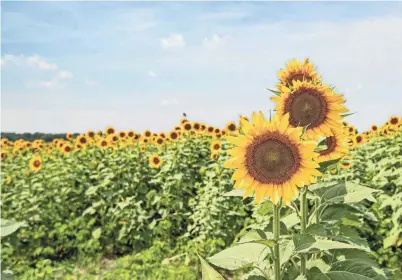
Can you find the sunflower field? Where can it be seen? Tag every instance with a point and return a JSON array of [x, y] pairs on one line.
[[296, 193]]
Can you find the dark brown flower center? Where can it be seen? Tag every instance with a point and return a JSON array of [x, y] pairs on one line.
[[187, 126], [210, 129], [110, 131], [122, 134], [83, 140], [393, 121], [37, 163], [272, 158], [173, 135], [67, 149], [155, 160], [160, 141], [115, 138], [217, 146], [374, 128], [330, 142], [359, 139], [91, 134], [306, 108], [217, 130], [131, 134], [148, 134], [232, 127], [104, 143]]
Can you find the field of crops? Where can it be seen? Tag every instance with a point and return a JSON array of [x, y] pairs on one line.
[[298, 193]]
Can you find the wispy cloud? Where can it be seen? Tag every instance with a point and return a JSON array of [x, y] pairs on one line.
[[174, 41], [56, 81], [214, 41], [21, 60]]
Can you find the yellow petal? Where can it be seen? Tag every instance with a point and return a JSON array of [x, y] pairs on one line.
[[233, 162]]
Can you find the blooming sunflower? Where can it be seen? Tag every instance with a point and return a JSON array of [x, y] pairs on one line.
[[173, 135], [337, 147], [69, 136], [159, 141], [187, 126], [394, 121], [3, 155], [122, 134], [231, 127], [271, 160], [130, 134], [82, 140], [374, 129], [297, 71], [155, 161], [316, 106], [210, 129], [216, 146], [35, 164], [214, 156], [103, 143], [90, 133], [346, 162], [183, 121], [110, 130], [196, 126], [67, 149], [360, 139]]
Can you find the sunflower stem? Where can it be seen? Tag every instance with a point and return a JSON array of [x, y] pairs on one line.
[[276, 227], [303, 212]]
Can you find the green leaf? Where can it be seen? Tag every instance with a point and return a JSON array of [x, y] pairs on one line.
[[8, 227], [290, 220], [278, 93], [258, 236], [353, 269], [240, 256], [324, 245], [97, 233], [286, 249], [208, 273], [316, 229], [303, 241], [320, 264]]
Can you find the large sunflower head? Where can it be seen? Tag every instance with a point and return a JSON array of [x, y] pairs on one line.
[[336, 146], [271, 160], [310, 105], [35, 164], [155, 161], [297, 71]]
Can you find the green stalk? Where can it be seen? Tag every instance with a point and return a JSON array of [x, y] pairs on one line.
[[276, 227], [303, 218]]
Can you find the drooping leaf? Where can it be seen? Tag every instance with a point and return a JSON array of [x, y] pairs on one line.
[[8, 227], [208, 272], [240, 256]]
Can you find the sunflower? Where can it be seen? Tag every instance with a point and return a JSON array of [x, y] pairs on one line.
[[271, 160], [374, 129], [3, 155], [196, 126], [103, 143], [316, 106], [297, 71], [351, 143], [69, 136], [35, 164], [337, 147], [90, 133], [231, 127], [394, 121], [147, 133], [214, 156], [122, 134], [345, 164], [178, 128], [183, 121], [159, 141], [113, 138], [130, 134], [210, 129], [351, 130], [8, 180], [110, 130], [67, 149], [360, 139], [187, 126], [99, 133], [82, 140], [216, 146], [155, 161], [78, 147], [173, 135]]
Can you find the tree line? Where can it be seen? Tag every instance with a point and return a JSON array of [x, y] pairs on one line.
[[47, 137]]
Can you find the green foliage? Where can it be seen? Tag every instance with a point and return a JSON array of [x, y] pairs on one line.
[[378, 165]]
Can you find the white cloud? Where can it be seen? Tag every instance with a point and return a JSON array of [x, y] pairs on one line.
[[56, 82], [90, 83], [21, 60], [213, 42], [172, 101], [151, 73], [173, 41]]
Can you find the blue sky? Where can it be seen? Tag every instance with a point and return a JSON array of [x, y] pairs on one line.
[[73, 66]]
